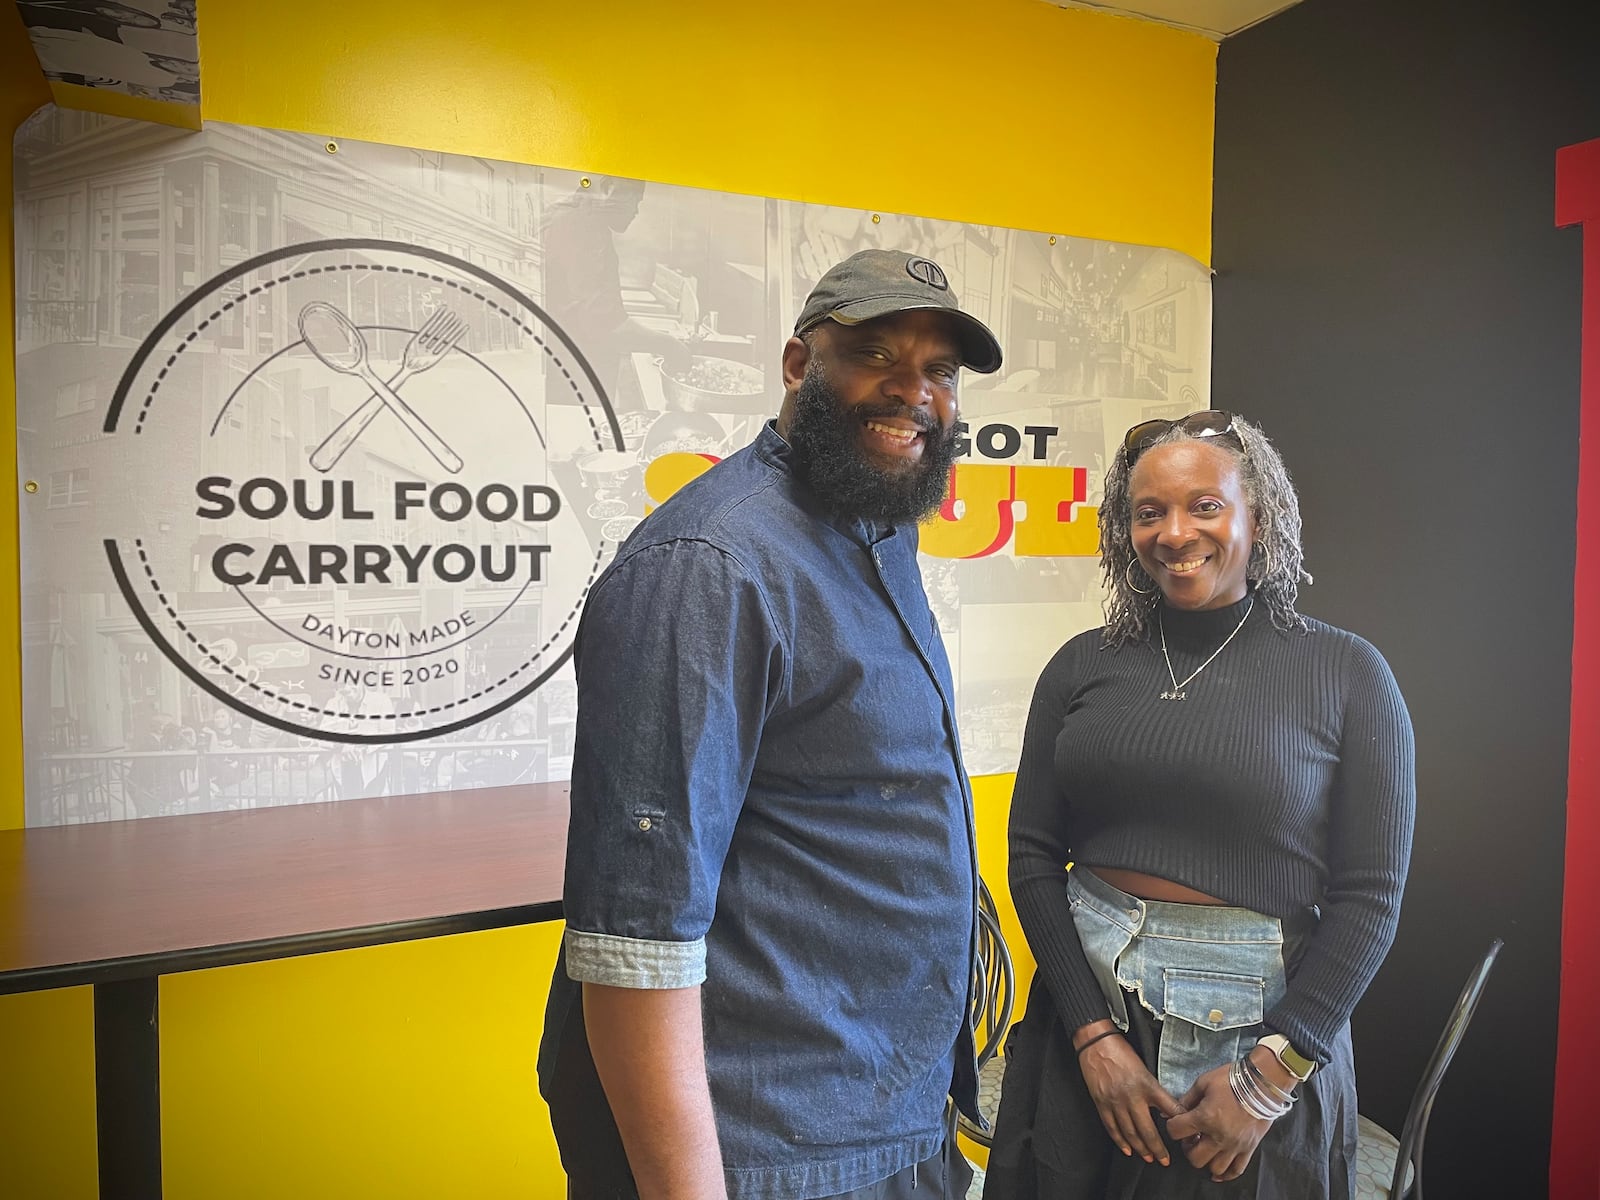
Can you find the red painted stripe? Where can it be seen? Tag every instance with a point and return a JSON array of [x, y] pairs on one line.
[[1575, 1149]]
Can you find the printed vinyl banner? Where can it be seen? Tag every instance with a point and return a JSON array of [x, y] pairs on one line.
[[330, 440], [144, 48]]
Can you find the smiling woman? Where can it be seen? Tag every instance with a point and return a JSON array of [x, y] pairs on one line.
[[1232, 454], [1235, 784], [1193, 530]]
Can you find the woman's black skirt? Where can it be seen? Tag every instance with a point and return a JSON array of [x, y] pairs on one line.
[[1049, 1143]]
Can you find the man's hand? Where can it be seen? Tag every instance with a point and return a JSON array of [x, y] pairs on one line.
[[1124, 1092], [649, 1052]]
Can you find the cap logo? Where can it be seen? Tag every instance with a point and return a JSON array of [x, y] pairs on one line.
[[924, 271]]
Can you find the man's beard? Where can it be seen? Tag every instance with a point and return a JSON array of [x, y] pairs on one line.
[[826, 435]]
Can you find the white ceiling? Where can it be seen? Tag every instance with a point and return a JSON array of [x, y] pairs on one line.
[[1214, 18]]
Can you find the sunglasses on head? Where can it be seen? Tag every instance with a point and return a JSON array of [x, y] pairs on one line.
[[1208, 423]]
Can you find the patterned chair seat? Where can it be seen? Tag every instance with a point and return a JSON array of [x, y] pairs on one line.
[[1375, 1158]]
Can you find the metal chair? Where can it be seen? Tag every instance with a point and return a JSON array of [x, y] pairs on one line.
[[1390, 1168], [994, 996]]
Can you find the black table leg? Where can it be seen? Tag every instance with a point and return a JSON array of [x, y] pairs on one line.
[[127, 1078]]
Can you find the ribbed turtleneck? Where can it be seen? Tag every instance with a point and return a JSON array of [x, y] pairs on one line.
[[1282, 782], [1197, 626], [1192, 636]]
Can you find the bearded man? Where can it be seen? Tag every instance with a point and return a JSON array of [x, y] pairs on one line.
[[771, 875]]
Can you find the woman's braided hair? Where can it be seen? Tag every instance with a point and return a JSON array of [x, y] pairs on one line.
[[1276, 566]]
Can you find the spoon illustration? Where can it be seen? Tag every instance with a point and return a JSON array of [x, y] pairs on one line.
[[340, 345]]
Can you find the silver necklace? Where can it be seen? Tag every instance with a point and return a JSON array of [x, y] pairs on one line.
[[1177, 692]]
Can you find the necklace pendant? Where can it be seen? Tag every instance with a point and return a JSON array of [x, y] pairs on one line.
[[1178, 692]]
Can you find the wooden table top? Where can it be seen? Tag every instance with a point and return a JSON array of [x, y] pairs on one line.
[[123, 899]]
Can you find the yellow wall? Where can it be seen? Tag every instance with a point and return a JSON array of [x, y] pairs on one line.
[[407, 1071], [46, 1060], [22, 89], [1010, 112]]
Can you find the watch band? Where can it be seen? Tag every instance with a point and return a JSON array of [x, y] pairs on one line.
[[1293, 1061]]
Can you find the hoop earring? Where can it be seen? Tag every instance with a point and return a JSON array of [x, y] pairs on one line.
[[1127, 576]]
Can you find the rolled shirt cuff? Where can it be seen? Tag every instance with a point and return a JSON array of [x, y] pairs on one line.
[[613, 961]]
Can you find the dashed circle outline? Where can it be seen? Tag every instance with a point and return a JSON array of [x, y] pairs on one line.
[[136, 366], [303, 273]]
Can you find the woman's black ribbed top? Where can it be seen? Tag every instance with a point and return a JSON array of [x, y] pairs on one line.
[[1284, 779]]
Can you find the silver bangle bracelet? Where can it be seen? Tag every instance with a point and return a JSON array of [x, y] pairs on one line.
[[1246, 1102], [1259, 1078], [1250, 1089]]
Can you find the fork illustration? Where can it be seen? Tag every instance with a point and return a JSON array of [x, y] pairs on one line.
[[439, 333]]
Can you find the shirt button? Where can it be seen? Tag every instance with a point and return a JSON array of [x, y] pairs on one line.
[[644, 824], [1216, 1016]]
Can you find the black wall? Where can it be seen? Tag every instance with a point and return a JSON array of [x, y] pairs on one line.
[[1395, 305]]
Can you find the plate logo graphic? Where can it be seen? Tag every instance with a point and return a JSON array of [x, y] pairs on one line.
[[368, 532]]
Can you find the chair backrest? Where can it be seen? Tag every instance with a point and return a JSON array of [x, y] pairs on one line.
[[994, 989], [1416, 1126]]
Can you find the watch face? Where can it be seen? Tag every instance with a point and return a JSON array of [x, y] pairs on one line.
[[1295, 1063]]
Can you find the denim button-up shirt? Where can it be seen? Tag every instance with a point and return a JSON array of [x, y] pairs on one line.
[[768, 799]]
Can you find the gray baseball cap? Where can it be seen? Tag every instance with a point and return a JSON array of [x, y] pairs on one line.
[[875, 283]]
